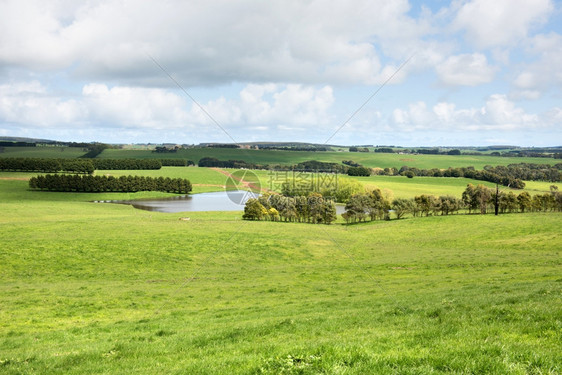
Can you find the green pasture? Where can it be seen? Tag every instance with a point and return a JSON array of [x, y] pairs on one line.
[[42, 152], [202, 179], [403, 187], [371, 159], [98, 288], [208, 180]]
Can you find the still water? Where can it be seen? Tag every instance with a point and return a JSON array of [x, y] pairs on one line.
[[218, 201]]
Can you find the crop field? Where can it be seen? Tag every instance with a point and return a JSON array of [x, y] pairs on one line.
[[100, 288]]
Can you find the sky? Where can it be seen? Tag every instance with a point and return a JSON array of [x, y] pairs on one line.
[[349, 72]]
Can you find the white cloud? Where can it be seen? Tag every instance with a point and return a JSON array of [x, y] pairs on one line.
[[29, 103], [545, 72], [262, 106], [465, 70], [500, 23], [498, 113], [211, 42]]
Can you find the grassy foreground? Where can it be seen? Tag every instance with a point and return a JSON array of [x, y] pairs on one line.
[[100, 288]]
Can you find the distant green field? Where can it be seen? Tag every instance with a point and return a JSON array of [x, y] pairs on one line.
[[207, 180], [379, 160], [42, 152], [203, 179], [403, 187], [97, 288]]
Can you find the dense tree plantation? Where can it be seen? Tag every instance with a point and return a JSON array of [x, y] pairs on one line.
[[129, 164], [89, 183], [46, 165], [86, 165], [176, 162]]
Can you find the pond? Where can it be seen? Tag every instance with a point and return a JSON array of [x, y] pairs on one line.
[[217, 201]]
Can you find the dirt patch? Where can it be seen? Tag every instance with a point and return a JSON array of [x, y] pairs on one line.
[[407, 160], [15, 178]]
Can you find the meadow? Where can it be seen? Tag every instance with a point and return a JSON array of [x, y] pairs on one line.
[[209, 180], [42, 152], [100, 288]]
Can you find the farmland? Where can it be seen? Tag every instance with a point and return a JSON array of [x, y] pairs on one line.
[[378, 160], [101, 288]]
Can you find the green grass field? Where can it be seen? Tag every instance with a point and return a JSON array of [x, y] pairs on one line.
[[42, 152], [292, 157], [208, 180], [280, 157], [101, 288]]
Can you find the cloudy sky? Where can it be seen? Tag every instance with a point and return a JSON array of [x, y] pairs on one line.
[[466, 72]]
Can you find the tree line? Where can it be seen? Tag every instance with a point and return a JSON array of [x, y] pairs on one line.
[[46, 165], [510, 175], [313, 209], [127, 164], [176, 162], [89, 183], [297, 148], [305, 166], [476, 199], [373, 205]]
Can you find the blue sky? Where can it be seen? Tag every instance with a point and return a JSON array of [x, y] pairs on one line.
[[480, 72]]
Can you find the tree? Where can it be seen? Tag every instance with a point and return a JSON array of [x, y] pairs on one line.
[[402, 206], [476, 197], [524, 201], [378, 206], [483, 196], [448, 204], [359, 171], [426, 203], [254, 210], [357, 206], [329, 214]]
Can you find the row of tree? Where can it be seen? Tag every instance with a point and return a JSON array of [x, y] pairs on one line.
[[176, 162], [127, 164], [510, 175], [373, 205], [46, 165], [86, 165], [94, 149], [89, 183], [476, 199], [359, 171], [305, 166], [297, 148], [313, 209]]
